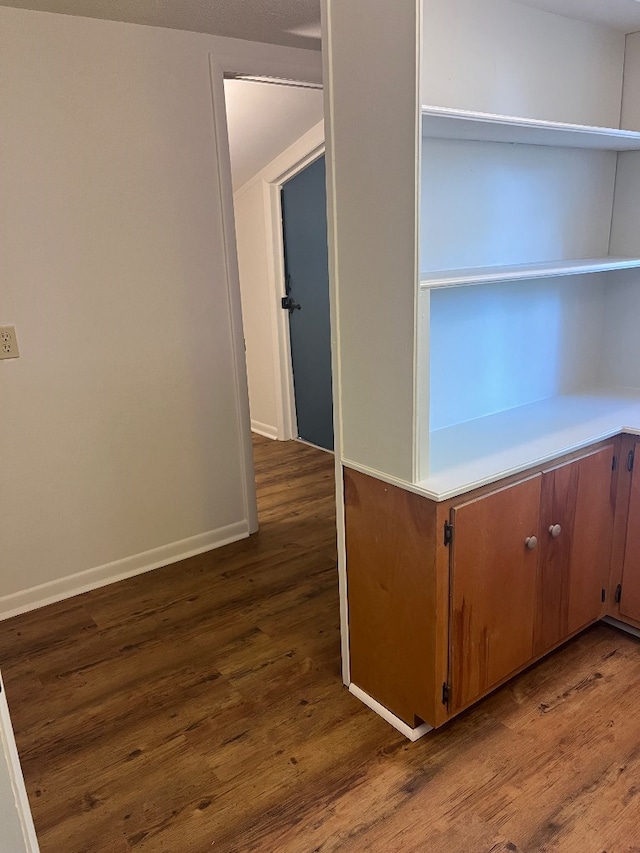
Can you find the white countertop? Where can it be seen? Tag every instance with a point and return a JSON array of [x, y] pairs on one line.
[[483, 451]]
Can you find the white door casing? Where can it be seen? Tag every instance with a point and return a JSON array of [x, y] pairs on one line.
[[17, 832]]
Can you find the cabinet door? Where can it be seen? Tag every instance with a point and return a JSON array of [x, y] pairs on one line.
[[630, 599], [576, 530], [493, 588]]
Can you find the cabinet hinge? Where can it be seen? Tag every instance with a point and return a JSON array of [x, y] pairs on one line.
[[630, 460], [446, 693], [614, 463], [603, 595], [448, 533], [618, 593]]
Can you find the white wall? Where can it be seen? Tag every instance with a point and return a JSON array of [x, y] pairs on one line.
[[121, 432], [498, 346], [264, 119], [258, 223], [621, 348], [498, 56], [621, 351], [625, 226], [631, 92], [515, 204]]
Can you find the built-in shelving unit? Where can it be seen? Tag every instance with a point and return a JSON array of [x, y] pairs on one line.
[[519, 272], [549, 211], [487, 266], [478, 191], [511, 151], [443, 123]]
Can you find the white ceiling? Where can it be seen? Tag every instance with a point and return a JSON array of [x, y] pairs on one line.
[[263, 121], [620, 14], [295, 23]]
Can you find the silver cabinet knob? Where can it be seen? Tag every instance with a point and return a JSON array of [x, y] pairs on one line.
[[531, 542], [555, 530]]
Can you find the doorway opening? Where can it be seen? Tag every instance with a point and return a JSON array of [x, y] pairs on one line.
[[257, 201], [276, 141]]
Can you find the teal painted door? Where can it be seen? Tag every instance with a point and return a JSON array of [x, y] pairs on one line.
[[304, 217]]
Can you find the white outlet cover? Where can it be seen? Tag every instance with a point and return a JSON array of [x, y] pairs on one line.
[[8, 342]]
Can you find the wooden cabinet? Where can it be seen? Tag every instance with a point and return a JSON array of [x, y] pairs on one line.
[[463, 593], [576, 529], [493, 588], [629, 590], [529, 564]]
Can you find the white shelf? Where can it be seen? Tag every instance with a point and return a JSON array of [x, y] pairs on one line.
[[550, 269], [475, 453], [442, 123]]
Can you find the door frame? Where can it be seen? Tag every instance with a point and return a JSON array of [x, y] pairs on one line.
[[10, 765], [221, 64], [296, 70]]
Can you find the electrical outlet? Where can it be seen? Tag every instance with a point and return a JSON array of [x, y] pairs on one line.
[[8, 342]]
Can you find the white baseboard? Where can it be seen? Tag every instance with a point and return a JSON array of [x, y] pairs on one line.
[[137, 564], [385, 713], [265, 430]]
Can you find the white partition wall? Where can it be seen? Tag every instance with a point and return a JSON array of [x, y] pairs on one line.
[[373, 120]]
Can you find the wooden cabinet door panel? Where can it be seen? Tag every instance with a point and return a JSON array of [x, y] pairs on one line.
[[557, 507], [630, 600], [577, 504], [592, 538], [493, 588]]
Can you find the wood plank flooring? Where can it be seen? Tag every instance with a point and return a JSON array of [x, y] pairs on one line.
[[200, 707]]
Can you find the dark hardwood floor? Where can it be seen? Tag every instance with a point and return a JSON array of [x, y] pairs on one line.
[[200, 707]]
